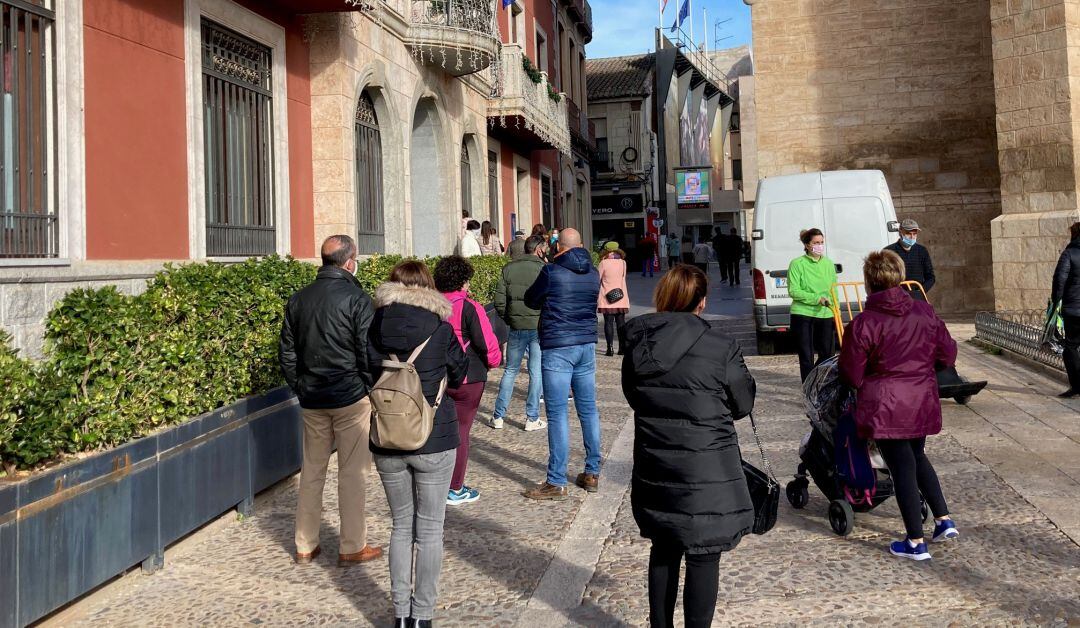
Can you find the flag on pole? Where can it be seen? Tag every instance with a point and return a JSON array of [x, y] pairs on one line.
[[684, 12], [663, 5]]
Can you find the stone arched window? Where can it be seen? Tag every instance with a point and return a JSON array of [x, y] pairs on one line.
[[466, 180], [370, 225]]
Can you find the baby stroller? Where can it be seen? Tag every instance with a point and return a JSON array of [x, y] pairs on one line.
[[827, 400]]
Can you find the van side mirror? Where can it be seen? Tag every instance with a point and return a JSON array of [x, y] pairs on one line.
[[893, 226], [757, 234]]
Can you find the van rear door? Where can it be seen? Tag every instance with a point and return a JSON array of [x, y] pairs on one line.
[[854, 227]]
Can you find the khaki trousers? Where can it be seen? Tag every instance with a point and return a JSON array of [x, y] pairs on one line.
[[349, 427]]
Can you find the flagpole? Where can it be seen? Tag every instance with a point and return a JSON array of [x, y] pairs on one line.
[[705, 26], [690, 14]]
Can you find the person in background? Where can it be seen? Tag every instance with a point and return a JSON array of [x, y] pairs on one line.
[[810, 280], [411, 312], [464, 223], [702, 254], [686, 249], [517, 245], [686, 382], [540, 230], [323, 354], [915, 257], [470, 242], [473, 330], [890, 357], [673, 249], [732, 252], [566, 293], [515, 279], [552, 245], [613, 277], [1066, 290], [489, 240], [721, 243], [647, 249]]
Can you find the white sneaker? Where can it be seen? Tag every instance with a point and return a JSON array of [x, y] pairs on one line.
[[532, 426], [496, 424]]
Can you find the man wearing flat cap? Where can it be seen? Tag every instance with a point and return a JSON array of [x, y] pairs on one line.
[[916, 258]]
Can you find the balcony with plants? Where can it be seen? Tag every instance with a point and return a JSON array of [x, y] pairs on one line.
[[524, 105]]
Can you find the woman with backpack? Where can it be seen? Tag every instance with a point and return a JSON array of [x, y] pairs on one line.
[[477, 338], [890, 356], [409, 313], [687, 383]]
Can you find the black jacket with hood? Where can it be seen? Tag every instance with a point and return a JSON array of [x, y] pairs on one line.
[[1067, 279], [686, 381], [406, 317], [323, 346]]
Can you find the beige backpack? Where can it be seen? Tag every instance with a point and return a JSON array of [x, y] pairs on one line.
[[400, 415]]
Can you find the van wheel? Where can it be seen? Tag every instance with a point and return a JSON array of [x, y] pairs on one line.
[[766, 344]]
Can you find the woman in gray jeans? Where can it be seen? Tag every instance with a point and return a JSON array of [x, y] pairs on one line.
[[409, 312]]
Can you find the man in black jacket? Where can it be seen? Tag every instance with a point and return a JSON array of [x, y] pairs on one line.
[[916, 258], [323, 354]]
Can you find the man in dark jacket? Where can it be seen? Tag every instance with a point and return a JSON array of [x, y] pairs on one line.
[[566, 293], [1066, 290], [720, 244], [916, 258], [733, 246], [323, 354], [516, 278]]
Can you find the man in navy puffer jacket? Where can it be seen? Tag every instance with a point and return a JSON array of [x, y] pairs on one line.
[[566, 292]]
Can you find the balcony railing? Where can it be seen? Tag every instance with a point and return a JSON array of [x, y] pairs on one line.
[[458, 35], [521, 103], [581, 129]]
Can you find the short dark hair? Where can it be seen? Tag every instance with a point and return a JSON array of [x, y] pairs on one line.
[[412, 273], [810, 234], [532, 243], [338, 249], [451, 273], [471, 225], [1074, 230]]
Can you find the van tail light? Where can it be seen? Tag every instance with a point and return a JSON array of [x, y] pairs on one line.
[[759, 285]]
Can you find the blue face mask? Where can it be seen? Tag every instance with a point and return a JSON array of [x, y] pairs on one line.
[[908, 242]]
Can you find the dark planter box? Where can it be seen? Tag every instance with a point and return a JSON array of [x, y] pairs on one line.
[[70, 529]]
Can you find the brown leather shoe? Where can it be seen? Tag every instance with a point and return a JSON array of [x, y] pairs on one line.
[[546, 492], [303, 559], [588, 481], [369, 552]]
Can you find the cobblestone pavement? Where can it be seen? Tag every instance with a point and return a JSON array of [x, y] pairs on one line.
[[1008, 464]]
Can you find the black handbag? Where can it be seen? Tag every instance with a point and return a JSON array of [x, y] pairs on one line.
[[763, 487], [614, 296]]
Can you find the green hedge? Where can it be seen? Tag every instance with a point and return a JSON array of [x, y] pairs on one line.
[[121, 366]]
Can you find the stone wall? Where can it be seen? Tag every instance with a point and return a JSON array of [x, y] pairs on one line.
[[1036, 82], [905, 87]]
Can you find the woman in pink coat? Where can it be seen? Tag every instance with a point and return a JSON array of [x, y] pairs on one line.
[[890, 354], [613, 278]]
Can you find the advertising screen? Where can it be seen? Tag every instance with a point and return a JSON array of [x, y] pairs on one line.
[[692, 188]]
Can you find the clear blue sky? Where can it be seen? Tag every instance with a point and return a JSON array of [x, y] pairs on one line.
[[625, 27]]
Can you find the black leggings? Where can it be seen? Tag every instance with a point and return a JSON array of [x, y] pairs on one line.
[[613, 322], [813, 335], [913, 474], [699, 592], [672, 261], [1072, 350]]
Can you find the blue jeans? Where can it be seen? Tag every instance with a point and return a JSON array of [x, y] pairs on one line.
[[567, 368], [521, 341]]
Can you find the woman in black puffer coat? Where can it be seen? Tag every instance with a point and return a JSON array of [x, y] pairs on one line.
[[686, 381]]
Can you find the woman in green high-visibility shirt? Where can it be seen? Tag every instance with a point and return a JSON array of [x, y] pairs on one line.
[[810, 280]]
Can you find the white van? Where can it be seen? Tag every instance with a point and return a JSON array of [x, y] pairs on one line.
[[852, 207]]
